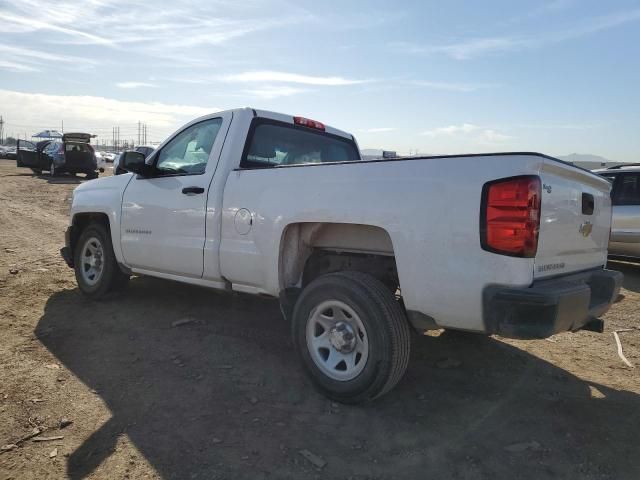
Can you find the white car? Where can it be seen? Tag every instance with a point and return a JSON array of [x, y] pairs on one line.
[[101, 162], [358, 252], [108, 156]]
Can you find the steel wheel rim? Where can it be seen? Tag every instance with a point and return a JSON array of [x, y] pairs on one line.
[[92, 261], [329, 328], [52, 169]]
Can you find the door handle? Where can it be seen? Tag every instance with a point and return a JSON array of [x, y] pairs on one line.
[[192, 190]]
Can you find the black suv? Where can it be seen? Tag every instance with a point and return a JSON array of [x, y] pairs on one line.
[[72, 154]]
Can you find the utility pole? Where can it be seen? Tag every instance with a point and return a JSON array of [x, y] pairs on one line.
[[1, 130], [138, 132], [62, 126]]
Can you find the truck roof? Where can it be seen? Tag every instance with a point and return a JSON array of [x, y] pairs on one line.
[[282, 117]]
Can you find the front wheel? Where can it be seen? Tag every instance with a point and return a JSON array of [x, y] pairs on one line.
[[97, 271], [52, 169], [352, 336]]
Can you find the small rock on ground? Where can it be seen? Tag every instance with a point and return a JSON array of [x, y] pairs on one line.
[[182, 321], [65, 422], [316, 460], [523, 446]]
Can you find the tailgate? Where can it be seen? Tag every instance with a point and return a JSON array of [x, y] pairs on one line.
[[575, 220]]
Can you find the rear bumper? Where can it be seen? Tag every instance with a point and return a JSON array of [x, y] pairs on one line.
[[568, 303]]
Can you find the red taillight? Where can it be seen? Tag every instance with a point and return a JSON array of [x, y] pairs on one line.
[[510, 216], [305, 122]]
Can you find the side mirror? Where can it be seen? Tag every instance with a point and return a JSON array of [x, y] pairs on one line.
[[133, 162]]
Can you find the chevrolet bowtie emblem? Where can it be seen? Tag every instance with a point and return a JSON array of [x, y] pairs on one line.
[[585, 229]]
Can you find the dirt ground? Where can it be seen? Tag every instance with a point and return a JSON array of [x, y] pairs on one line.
[[223, 395]]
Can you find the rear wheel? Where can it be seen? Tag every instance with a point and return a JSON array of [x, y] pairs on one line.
[[352, 336], [97, 271], [52, 169]]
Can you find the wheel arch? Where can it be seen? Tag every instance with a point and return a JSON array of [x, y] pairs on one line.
[[301, 241], [311, 249], [81, 220]]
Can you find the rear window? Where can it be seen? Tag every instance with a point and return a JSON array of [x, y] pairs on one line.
[[274, 144], [78, 147]]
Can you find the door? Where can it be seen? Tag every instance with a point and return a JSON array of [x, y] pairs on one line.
[[625, 229], [163, 215], [27, 154]]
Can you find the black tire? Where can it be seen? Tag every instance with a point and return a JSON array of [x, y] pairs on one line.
[[52, 169], [386, 326], [112, 278], [91, 175]]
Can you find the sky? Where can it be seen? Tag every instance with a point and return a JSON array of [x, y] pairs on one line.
[[431, 77]]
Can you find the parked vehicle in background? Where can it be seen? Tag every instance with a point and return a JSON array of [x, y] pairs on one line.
[[108, 156], [625, 198], [100, 161], [72, 154], [146, 150], [8, 153], [357, 251]]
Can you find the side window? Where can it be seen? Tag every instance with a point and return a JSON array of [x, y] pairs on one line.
[[26, 145], [188, 152], [627, 190], [273, 145]]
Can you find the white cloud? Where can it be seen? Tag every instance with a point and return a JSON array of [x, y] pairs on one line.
[[135, 85], [167, 31], [490, 137], [270, 92], [26, 24], [36, 111], [285, 77], [451, 130], [454, 87], [470, 132], [13, 66], [28, 53], [466, 49], [377, 130]]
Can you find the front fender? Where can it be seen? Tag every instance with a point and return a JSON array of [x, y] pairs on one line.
[[102, 196]]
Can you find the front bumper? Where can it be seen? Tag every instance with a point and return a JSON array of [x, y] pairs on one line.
[[567, 303], [67, 251]]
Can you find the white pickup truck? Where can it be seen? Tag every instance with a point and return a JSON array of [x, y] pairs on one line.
[[358, 252]]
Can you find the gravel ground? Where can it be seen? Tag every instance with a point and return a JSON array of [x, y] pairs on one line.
[[222, 395]]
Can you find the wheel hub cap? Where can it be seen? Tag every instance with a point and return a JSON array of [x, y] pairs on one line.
[[91, 266], [337, 340], [342, 337]]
